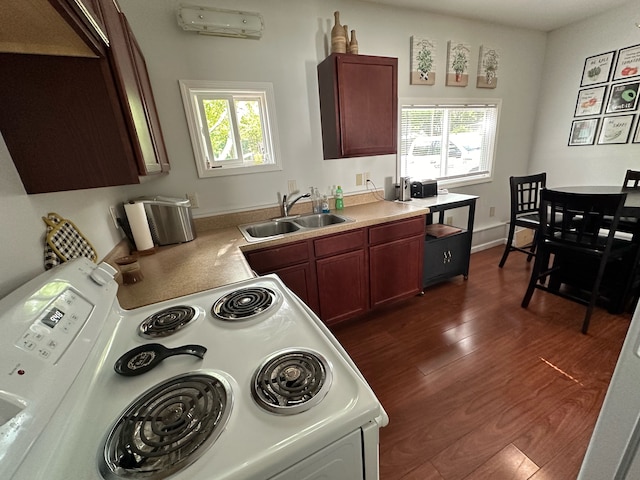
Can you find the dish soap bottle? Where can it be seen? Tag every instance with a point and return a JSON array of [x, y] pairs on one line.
[[325, 204], [339, 198]]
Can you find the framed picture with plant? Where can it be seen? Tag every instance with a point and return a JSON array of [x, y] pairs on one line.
[[488, 63], [458, 64], [423, 56], [597, 69], [583, 132]]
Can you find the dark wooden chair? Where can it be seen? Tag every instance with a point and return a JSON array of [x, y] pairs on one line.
[[525, 200], [575, 232], [631, 180]]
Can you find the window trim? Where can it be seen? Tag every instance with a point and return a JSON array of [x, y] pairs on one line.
[[452, 102], [191, 90]]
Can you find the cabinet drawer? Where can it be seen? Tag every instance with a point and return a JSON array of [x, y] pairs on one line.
[[343, 242], [277, 257], [396, 230]]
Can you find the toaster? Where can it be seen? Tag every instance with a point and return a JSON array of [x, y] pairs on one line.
[[424, 188]]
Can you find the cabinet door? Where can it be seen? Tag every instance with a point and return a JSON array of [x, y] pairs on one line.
[[446, 257], [291, 262], [63, 124], [132, 81], [358, 105], [342, 286], [395, 270], [300, 279]]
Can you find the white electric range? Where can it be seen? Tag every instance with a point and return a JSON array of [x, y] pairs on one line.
[[274, 396]]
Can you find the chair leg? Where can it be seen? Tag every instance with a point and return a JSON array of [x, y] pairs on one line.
[[595, 293], [507, 247], [535, 276], [532, 250]]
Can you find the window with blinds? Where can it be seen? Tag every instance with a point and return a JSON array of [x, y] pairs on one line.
[[452, 142]]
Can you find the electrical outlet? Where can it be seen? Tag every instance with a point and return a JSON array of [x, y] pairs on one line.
[[293, 187], [492, 211], [113, 213], [449, 221], [359, 179], [366, 176], [193, 199]]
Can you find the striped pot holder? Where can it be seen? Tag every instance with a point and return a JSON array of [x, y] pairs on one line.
[[63, 241]]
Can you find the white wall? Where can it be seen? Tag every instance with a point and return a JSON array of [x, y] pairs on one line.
[[294, 42], [567, 49]]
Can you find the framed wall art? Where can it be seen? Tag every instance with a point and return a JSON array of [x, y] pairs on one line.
[[623, 97], [458, 64], [590, 101], [628, 63], [615, 130], [583, 132], [636, 136], [488, 63], [423, 61], [597, 69]]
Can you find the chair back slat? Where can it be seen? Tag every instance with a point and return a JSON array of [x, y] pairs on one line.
[[580, 220], [525, 192]]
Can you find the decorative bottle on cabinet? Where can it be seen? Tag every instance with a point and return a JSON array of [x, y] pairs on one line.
[[338, 36], [353, 44]]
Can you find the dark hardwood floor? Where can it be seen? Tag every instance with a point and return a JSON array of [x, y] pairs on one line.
[[477, 387]]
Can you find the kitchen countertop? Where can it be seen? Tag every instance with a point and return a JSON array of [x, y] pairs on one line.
[[215, 257]]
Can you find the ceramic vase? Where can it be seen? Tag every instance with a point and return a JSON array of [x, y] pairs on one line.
[[353, 44], [338, 36]]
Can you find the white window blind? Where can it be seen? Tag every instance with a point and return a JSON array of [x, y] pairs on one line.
[[452, 142]]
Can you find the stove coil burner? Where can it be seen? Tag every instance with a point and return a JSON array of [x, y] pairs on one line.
[[168, 427], [244, 303], [166, 322], [291, 381]]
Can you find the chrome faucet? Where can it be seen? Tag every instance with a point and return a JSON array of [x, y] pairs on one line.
[[287, 206]]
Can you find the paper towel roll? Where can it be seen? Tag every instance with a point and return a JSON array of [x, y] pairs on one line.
[[139, 225]]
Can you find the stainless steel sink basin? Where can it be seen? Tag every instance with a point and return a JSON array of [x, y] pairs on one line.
[[256, 232], [269, 229], [319, 220]]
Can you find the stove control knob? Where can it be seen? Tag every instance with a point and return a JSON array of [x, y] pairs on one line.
[[103, 274]]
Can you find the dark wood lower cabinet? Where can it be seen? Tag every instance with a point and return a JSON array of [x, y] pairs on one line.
[[396, 270], [342, 286], [293, 264], [346, 274]]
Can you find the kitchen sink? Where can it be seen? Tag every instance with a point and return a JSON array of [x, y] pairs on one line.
[[277, 227], [269, 229], [319, 220]]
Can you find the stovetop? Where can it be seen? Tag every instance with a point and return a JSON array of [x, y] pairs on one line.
[[255, 443]]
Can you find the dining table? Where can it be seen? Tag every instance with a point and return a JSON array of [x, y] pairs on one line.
[[631, 206], [629, 224]]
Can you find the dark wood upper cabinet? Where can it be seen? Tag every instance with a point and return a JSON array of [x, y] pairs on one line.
[[52, 27], [358, 105], [134, 86], [81, 121]]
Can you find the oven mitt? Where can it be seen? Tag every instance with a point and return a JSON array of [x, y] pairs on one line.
[[63, 241]]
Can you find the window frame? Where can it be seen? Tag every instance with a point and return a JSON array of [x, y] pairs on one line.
[[194, 91], [452, 181]]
